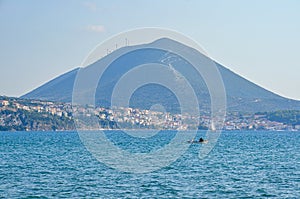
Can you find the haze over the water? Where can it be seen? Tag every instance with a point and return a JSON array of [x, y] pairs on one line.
[[257, 39]]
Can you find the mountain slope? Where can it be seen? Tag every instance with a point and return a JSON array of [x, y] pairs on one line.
[[242, 95], [59, 89]]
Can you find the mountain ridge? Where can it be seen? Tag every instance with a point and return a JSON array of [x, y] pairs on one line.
[[242, 94]]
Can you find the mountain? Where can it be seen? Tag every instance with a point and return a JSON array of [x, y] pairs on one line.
[[59, 89], [242, 95]]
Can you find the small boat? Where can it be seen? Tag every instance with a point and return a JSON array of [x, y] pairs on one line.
[[204, 142], [200, 141]]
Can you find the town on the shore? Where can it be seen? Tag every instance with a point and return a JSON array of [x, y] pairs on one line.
[[36, 115]]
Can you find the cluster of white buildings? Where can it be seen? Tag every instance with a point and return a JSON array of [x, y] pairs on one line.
[[132, 118], [255, 122], [59, 109]]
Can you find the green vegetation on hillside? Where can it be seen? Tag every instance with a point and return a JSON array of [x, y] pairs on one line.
[[291, 117], [21, 120]]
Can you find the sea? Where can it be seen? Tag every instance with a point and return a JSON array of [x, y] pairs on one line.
[[242, 164]]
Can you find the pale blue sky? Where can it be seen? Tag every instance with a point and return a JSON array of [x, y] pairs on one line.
[[257, 39]]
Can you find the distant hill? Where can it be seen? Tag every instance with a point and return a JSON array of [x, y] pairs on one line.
[[242, 95]]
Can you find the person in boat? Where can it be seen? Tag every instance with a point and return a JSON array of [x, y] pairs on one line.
[[201, 140]]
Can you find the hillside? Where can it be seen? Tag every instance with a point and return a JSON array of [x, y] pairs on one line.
[[35, 115]]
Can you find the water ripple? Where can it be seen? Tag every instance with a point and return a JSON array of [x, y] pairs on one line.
[[242, 165]]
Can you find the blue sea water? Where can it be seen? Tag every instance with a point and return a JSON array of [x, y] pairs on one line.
[[241, 165]]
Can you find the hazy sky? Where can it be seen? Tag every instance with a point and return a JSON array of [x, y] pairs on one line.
[[259, 40]]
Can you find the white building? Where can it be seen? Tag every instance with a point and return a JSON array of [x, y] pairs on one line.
[[5, 103]]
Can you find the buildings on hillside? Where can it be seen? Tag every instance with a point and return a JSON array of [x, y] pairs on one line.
[[132, 118]]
